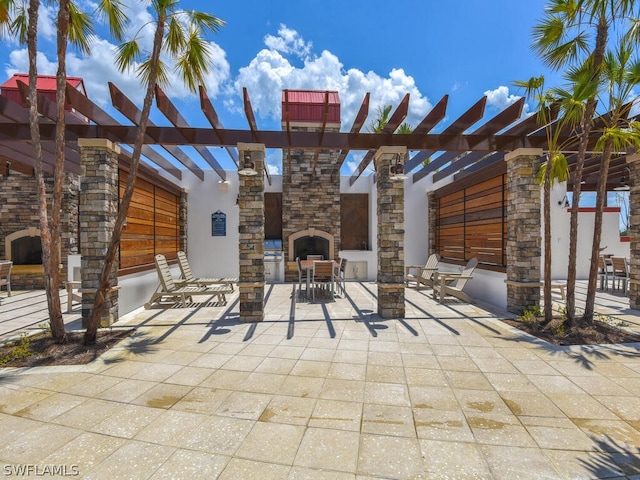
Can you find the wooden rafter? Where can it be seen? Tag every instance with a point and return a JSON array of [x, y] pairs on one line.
[[173, 115], [394, 122], [463, 122], [248, 111], [358, 123], [212, 117], [125, 106]]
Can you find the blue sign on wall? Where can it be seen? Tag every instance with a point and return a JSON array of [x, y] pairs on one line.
[[218, 224]]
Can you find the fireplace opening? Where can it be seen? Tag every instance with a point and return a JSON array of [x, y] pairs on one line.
[[26, 250], [304, 246]]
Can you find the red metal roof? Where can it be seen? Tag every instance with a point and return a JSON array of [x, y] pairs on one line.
[[45, 83], [308, 106]]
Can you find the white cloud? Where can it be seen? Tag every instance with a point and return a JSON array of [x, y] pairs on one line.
[[288, 41], [500, 98], [270, 72], [274, 162]]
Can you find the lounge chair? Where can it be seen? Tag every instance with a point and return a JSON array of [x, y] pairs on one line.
[[422, 275], [168, 288], [453, 283], [188, 279], [5, 275]]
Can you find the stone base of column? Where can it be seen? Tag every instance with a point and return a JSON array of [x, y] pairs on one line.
[[251, 302], [391, 300], [634, 294], [110, 312], [522, 296]]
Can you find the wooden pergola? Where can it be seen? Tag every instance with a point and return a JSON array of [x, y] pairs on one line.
[[453, 151]]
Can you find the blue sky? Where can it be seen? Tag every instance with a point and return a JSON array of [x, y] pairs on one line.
[[431, 48]]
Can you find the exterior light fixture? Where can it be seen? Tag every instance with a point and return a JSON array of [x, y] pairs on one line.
[[7, 170], [624, 181], [396, 170], [248, 167], [564, 202]]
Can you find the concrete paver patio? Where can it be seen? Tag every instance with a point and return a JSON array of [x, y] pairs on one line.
[[329, 391]]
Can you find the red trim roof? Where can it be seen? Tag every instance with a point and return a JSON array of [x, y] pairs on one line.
[[308, 106], [45, 83]]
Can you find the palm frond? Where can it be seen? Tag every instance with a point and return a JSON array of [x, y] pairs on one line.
[[127, 54], [205, 21], [113, 12], [176, 39], [619, 138], [80, 28], [195, 61]]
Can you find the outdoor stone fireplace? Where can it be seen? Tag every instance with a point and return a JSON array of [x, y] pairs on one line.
[[19, 226], [310, 242], [24, 247], [310, 182]]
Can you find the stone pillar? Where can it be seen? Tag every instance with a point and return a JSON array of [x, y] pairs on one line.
[[524, 229], [634, 230], [98, 212], [431, 205], [251, 230], [182, 220], [390, 235]]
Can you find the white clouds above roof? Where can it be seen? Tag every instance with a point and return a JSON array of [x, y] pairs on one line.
[[288, 41], [500, 98]]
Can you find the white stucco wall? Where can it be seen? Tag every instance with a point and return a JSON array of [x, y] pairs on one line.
[[560, 218]]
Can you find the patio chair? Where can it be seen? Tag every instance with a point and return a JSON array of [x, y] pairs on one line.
[[339, 275], [187, 278], [5, 275], [453, 283], [303, 274], [322, 277], [620, 273], [422, 275], [604, 271], [168, 288]]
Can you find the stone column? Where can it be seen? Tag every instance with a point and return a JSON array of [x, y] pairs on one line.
[[390, 235], [431, 205], [98, 212], [251, 230], [524, 229], [634, 230], [182, 220]]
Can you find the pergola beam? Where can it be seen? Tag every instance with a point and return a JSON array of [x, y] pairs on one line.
[[358, 123], [251, 118], [169, 110], [212, 117]]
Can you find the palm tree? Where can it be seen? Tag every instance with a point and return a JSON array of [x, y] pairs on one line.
[[622, 75], [178, 35], [576, 32], [21, 20], [555, 168]]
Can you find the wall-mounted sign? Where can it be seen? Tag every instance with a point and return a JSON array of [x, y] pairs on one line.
[[218, 224]]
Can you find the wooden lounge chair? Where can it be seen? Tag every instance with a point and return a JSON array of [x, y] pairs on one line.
[[188, 279], [5, 275], [168, 288], [422, 275], [453, 283]]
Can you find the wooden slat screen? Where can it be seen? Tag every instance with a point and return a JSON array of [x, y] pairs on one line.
[[152, 224], [471, 222], [354, 221]]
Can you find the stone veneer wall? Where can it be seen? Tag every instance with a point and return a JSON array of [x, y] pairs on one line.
[[309, 201], [98, 212], [19, 211], [524, 237], [431, 206], [251, 237], [390, 209], [634, 230]]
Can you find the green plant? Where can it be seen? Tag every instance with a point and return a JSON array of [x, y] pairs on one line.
[[20, 349], [559, 329], [530, 314]]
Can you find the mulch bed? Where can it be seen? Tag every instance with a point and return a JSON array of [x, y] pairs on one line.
[[600, 333], [40, 350]]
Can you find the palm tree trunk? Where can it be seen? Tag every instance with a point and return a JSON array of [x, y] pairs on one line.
[[601, 195], [548, 307], [55, 310], [585, 124], [104, 283], [49, 270]]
